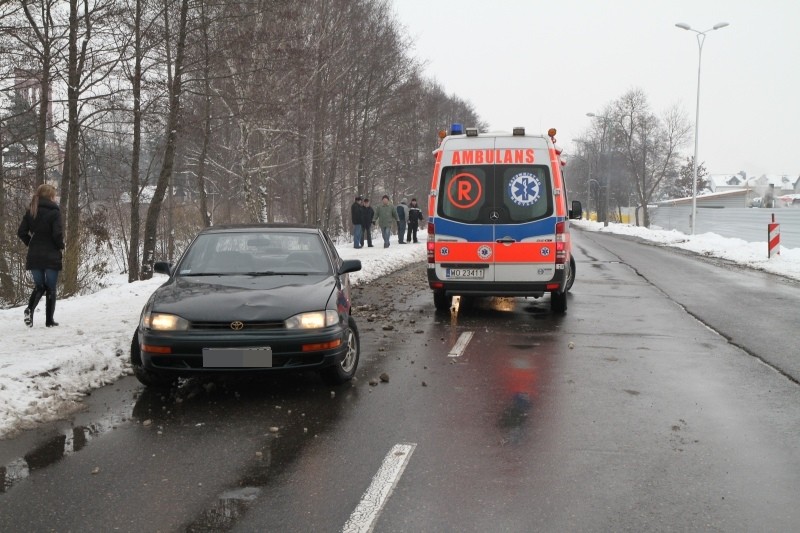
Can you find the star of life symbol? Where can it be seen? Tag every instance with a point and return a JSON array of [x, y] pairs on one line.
[[545, 251], [484, 252], [444, 250], [524, 189]]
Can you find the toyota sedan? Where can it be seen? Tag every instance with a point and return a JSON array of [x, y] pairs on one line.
[[257, 298]]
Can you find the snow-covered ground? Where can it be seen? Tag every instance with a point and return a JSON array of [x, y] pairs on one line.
[[44, 372], [751, 254]]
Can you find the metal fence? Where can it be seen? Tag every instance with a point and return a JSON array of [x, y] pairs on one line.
[[749, 224]]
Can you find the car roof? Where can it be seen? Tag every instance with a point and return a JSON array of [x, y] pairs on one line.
[[262, 228]]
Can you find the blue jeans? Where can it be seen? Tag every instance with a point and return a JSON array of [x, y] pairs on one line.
[[45, 279], [386, 232], [358, 232], [401, 230]]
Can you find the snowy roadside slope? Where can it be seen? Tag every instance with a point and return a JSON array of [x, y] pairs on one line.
[[44, 372]]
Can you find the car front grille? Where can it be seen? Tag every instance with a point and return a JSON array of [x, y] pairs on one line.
[[231, 326]]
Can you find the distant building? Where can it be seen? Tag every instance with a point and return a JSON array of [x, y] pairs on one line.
[[20, 158], [718, 200]]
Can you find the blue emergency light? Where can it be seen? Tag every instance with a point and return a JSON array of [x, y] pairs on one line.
[[456, 129]]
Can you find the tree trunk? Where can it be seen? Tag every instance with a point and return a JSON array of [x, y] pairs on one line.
[[136, 82], [44, 38], [70, 190], [154, 210], [6, 281]]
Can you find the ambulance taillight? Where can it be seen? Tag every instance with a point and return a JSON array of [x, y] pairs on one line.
[[561, 243], [430, 245]]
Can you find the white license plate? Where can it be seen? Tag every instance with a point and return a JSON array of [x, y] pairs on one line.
[[464, 273], [237, 357]]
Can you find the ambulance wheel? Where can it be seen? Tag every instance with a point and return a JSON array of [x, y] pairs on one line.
[[440, 301], [570, 274], [558, 302]]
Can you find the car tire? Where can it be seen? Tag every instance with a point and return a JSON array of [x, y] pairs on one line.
[[558, 302], [148, 378], [440, 301], [344, 370], [570, 275]]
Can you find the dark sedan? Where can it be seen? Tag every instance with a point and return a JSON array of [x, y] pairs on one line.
[[250, 299]]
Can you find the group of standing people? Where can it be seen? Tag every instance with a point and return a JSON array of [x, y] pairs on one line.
[[42, 232], [363, 216]]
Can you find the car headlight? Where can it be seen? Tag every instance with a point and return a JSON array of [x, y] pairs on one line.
[[315, 319], [164, 322]]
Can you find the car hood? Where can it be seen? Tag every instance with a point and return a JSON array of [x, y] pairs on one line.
[[246, 298]]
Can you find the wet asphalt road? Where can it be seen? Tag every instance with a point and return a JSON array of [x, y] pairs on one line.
[[631, 412]]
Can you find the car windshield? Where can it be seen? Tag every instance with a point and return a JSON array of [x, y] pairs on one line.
[[255, 254]]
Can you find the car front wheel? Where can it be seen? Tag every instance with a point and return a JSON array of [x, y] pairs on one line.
[[345, 369], [148, 378]]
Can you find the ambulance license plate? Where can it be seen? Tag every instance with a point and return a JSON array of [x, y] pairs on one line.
[[464, 273]]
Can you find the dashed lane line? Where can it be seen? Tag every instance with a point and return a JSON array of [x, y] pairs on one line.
[[461, 344], [383, 483]]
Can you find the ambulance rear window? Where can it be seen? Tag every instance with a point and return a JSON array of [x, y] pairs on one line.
[[526, 192], [495, 194], [462, 196]]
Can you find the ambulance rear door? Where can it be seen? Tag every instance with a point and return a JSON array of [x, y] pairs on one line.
[[465, 239], [523, 214]]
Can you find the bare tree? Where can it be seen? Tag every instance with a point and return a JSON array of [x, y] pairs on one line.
[[174, 91], [649, 143]]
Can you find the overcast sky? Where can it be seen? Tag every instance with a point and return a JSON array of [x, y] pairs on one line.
[[543, 64]]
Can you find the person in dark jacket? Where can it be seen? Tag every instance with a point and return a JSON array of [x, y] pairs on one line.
[[368, 214], [357, 218], [402, 218], [414, 219], [42, 232]]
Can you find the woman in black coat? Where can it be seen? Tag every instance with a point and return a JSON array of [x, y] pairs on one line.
[[42, 232]]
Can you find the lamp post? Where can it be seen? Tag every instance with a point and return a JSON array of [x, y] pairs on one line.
[[701, 37]]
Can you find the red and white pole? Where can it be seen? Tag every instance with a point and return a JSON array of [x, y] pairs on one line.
[[774, 240]]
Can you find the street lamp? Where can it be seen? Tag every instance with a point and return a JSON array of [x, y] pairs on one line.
[[701, 37]]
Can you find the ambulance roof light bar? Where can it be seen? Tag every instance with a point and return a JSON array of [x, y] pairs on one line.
[[519, 130], [472, 132]]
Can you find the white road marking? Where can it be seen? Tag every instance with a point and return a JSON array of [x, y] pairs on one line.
[[461, 344], [366, 513]]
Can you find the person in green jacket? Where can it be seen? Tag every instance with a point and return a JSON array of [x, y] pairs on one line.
[[384, 215]]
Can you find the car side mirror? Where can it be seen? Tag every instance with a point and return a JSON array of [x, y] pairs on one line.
[[577, 210], [350, 265], [162, 267]]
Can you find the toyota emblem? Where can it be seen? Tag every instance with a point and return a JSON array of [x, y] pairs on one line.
[[237, 325]]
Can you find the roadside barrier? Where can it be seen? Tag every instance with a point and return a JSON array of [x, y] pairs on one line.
[[774, 238]]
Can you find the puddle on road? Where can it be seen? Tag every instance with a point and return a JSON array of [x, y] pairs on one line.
[[54, 449]]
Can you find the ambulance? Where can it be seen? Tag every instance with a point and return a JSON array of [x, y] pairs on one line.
[[498, 221]]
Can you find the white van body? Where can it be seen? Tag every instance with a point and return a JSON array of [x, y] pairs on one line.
[[498, 222]]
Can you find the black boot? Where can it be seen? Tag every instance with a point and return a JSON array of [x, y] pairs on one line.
[[36, 295], [50, 308]]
